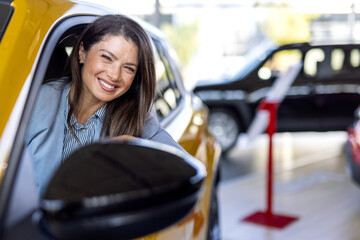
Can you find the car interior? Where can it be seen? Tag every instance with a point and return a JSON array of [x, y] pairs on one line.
[[60, 56]]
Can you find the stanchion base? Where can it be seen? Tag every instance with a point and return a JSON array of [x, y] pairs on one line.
[[270, 220]]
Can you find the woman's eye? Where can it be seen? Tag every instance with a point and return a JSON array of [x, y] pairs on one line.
[[106, 57], [130, 69]]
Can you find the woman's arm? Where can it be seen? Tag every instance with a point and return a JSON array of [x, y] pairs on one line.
[[154, 132]]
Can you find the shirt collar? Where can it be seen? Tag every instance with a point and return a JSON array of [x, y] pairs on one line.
[[101, 112]]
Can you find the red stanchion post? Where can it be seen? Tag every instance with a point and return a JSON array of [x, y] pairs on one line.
[[270, 132], [272, 108], [268, 218], [270, 105]]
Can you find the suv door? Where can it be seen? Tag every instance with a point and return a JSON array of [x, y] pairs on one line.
[[333, 72], [324, 93]]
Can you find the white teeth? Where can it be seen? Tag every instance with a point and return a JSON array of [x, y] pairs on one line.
[[106, 85]]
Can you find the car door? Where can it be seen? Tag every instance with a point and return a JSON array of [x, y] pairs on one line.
[[333, 71]]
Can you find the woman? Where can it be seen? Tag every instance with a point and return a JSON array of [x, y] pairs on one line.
[[108, 93]]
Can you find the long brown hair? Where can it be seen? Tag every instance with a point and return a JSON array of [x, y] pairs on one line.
[[126, 114]]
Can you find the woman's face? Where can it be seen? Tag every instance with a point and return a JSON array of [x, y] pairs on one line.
[[109, 68]]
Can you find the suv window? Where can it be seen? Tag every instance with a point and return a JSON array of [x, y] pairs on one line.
[[312, 59], [167, 95], [279, 63], [337, 59], [326, 62], [355, 58]]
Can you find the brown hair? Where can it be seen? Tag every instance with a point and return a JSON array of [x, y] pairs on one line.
[[126, 114]]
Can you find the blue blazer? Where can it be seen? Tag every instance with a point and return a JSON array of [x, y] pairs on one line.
[[46, 131]]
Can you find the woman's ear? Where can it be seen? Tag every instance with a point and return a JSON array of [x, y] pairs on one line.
[[81, 53]]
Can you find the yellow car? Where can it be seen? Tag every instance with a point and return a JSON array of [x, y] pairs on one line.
[[36, 38]]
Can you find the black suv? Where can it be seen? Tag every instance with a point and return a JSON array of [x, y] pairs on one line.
[[322, 97]]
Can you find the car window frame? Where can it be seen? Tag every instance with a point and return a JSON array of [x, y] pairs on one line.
[[178, 81], [7, 11], [171, 83], [18, 149]]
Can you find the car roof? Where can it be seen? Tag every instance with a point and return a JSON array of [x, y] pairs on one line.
[[251, 60], [312, 44], [254, 57]]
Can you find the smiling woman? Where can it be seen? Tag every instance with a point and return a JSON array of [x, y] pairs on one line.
[[108, 70], [108, 92]]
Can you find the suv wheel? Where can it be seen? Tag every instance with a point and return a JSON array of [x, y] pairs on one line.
[[224, 126]]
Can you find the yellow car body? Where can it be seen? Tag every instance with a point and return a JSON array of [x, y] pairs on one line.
[[27, 27]]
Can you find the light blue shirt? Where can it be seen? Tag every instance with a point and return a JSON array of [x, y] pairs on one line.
[[85, 133], [46, 133]]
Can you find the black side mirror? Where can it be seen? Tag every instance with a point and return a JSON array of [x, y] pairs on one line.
[[120, 190]]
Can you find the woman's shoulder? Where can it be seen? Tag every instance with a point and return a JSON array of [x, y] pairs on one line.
[[52, 90], [56, 85], [151, 127], [49, 98], [155, 132], [49, 106]]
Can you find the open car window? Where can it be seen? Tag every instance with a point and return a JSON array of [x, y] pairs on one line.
[[51, 63]]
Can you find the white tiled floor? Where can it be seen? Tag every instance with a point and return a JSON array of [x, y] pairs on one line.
[[313, 186]]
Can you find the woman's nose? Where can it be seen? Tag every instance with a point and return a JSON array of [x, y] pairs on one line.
[[114, 72]]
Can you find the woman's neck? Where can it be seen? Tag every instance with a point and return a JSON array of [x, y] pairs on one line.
[[85, 108]]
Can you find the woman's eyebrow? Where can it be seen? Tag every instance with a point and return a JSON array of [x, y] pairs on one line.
[[112, 55]]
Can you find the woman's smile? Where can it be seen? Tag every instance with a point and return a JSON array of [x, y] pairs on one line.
[[107, 86]]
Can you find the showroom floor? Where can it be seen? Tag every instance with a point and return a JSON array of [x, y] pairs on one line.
[[310, 183]]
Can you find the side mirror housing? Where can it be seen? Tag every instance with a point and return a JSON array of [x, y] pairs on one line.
[[120, 190]]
